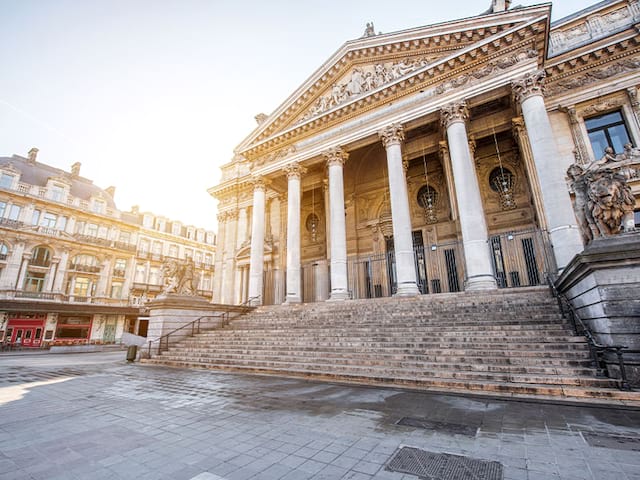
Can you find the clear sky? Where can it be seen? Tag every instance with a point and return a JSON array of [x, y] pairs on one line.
[[151, 96]]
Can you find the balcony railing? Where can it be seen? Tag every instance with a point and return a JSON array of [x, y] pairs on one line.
[[94, 240], [15, 224], [78, 267], [62, 298]]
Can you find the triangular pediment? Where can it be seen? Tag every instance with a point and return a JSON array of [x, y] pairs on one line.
[[366, 72]]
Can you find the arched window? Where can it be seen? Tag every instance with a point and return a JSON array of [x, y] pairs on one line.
[[40, 257], [4, 251]]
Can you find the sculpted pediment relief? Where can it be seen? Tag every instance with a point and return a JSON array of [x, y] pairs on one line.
[[374, 70]]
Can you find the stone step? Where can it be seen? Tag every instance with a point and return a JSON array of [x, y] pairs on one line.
[[600, 388], [497, 365], [404, 341], [461, 357]]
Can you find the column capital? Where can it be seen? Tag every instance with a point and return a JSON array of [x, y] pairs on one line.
[[530, 85], [294, 170], [221, 217], [335, 156], [259, 183], [453, 113], [392, 135]]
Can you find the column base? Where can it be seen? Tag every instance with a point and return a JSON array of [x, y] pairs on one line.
[[339, 296], [292, 299], [407, 290], [481, 282]]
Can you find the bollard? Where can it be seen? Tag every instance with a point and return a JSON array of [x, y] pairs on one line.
[[131, 353]]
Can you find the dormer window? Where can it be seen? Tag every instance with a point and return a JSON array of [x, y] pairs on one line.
[[6, 180], [147, 221], [99, 206], [58, 193], [176, 227]]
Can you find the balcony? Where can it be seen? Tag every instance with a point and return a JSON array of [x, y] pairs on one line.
[[93, 240], [59, 298], [8, 223], [124, 246], [117, 272], [78, 267]]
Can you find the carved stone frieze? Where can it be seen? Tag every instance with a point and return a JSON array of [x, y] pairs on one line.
[[272, 157], [391, 135], [454, 112], [530, 85], [603, 106], [624, 65], [335, 156], [593, 27]]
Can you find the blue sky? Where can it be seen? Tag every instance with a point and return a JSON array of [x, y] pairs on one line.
[[152, 96]]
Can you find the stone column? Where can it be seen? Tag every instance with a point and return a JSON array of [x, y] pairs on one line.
[[217, 263], [58, 283], [10, 274], [229, 260], [256, 262], [632, 93], [563, 229], [294, 284], [443, 150], [520, 133], [475, 238], [339, 282], [392, 136], [26, 257], [53, 270]]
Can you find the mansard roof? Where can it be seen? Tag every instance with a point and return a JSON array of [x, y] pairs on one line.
[[392, 65], [36, 173]]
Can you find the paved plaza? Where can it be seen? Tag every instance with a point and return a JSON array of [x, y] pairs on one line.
[[93, 416]]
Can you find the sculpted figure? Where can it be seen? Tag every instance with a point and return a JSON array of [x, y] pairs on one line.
[[178, 277], [604, 202]]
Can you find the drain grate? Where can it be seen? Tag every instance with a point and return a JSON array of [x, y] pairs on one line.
[[612, 441], [452, 428], [443, 466]]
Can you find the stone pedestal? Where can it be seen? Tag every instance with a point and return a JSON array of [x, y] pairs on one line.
[[603, 285], [170, 312]]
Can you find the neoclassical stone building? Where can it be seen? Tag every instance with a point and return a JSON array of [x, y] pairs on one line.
[[76, 269], [431, 159]]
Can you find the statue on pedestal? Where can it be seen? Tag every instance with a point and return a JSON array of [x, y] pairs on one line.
[[604, 202], [178, 277]]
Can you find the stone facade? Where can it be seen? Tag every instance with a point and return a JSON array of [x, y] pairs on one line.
[[429, 160], [74, 268]]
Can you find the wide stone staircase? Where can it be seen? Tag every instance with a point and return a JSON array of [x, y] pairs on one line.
[[505, 342]]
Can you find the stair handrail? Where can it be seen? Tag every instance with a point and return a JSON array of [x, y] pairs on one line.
[[247, 302], [597, 349], [195, 329]]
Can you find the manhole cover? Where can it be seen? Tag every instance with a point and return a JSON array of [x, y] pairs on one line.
[[612, 441], [443, 466], [452, 428]]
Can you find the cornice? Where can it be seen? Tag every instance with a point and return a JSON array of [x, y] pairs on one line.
[[443, 37], [525, 36]]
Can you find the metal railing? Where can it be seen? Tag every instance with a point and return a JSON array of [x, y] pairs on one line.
[[190, 329], [598, 350]]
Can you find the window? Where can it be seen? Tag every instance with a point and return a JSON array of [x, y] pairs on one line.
[[3, 208], [49, 220], [140, 274], [14, 212], [57, 193], [81, 288], [120, 267], [41, 257], [200, 235], [147, 221], [636, 217], [34, 282], [116, 290], [173, 251], [157, 248], [6, 180], [62, 224], [144, 246], [35, 218], [607, 130], [188, 253], [154, 276], [98, 206], [4, 251], [190, 233], [176, 228], [87, 260], [92, 230]]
